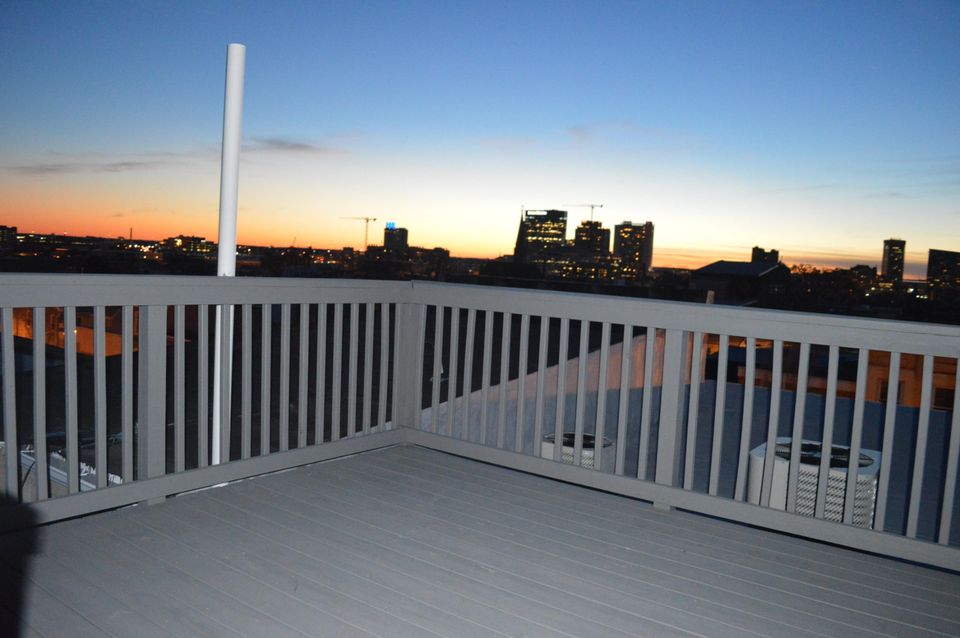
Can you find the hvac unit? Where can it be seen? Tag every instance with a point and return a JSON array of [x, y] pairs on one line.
[[865, 497], [608, 458]]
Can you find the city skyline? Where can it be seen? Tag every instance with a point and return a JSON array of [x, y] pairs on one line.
[[747, 125]]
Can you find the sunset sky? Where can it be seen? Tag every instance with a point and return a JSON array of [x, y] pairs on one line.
[[816, 128]]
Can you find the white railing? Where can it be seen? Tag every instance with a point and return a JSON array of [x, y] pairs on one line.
[[698, 407], [714, 409]]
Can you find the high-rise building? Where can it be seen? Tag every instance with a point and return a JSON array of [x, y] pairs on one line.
[[761, 256], [591, 237], [394, 239], [633, 244], [540, 231], [943, 271], [891, 268]]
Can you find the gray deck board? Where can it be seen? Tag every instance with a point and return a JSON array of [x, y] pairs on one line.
[[632, 557], [412, 542]]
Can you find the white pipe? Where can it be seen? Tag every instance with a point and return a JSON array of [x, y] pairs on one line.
[[227, 241]]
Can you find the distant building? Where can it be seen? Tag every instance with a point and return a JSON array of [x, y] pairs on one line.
[[633, 245], [943, 271], [189, 244], [891, 268], [540, 232], [8, 235], [761, 256], [740, 282], [395, 239], [592, 238]]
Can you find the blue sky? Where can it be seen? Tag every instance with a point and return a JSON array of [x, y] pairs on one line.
[[816, 128]]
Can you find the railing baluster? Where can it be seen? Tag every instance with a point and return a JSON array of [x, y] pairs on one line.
[[599, 425], [953, 455], [283, 426], [541, 382], [224, 389], [418, 368], [178, 389], [626, 362], [303, 375], [100, 394], [773, 423], [266, 341], [522, 381], [719, 412], [646, 406], [203, 390], [693, 409], [558, 425], [920, 453], [126, 392], [746, 425], [70, 381], [368, 367], [12, 449], [485, 379], [352, 369], [827, 439], [468, 371], [504, 376], [39, 468], [454, 362], [395, 389], [246, 383], [581, 393], [320, 391], [799, 413], [337, 369], [384, 369], [436, 371], [889, 425], [670, 435], [856, 435]]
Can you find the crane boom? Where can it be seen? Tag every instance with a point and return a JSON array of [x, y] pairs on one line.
[[366, 227]]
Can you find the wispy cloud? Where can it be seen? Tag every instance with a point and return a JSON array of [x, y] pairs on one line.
[[582, 132], [886, 195], [86, 166], [288, 145]]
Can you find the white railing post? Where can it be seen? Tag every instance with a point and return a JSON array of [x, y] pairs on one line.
[[409, 353], [670, 436], [152, 393]]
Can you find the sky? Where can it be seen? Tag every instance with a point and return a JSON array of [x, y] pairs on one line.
[[817, 128]]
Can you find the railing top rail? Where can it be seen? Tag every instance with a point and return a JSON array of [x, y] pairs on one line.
[[881, 334], [39, 290]]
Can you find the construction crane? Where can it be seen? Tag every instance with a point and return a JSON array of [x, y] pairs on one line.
[[366, 227], [590, 206]]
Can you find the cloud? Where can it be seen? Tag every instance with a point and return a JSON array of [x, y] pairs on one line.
[[287, 145], [582, 132], [80, 166]]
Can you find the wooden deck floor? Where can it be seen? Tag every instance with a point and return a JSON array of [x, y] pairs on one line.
[[411, 542]]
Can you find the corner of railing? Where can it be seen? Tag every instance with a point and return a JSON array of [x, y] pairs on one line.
[[152, 394]]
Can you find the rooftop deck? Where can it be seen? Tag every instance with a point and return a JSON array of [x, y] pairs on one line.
[[407, 541]]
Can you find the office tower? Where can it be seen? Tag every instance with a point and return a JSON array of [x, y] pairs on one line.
[[394, 239], [591, 237], [540, 231], [633, 244], [761, 256], [891, 268], [943, 271]]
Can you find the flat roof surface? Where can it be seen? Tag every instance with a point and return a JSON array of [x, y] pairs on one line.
[[411, 542]]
